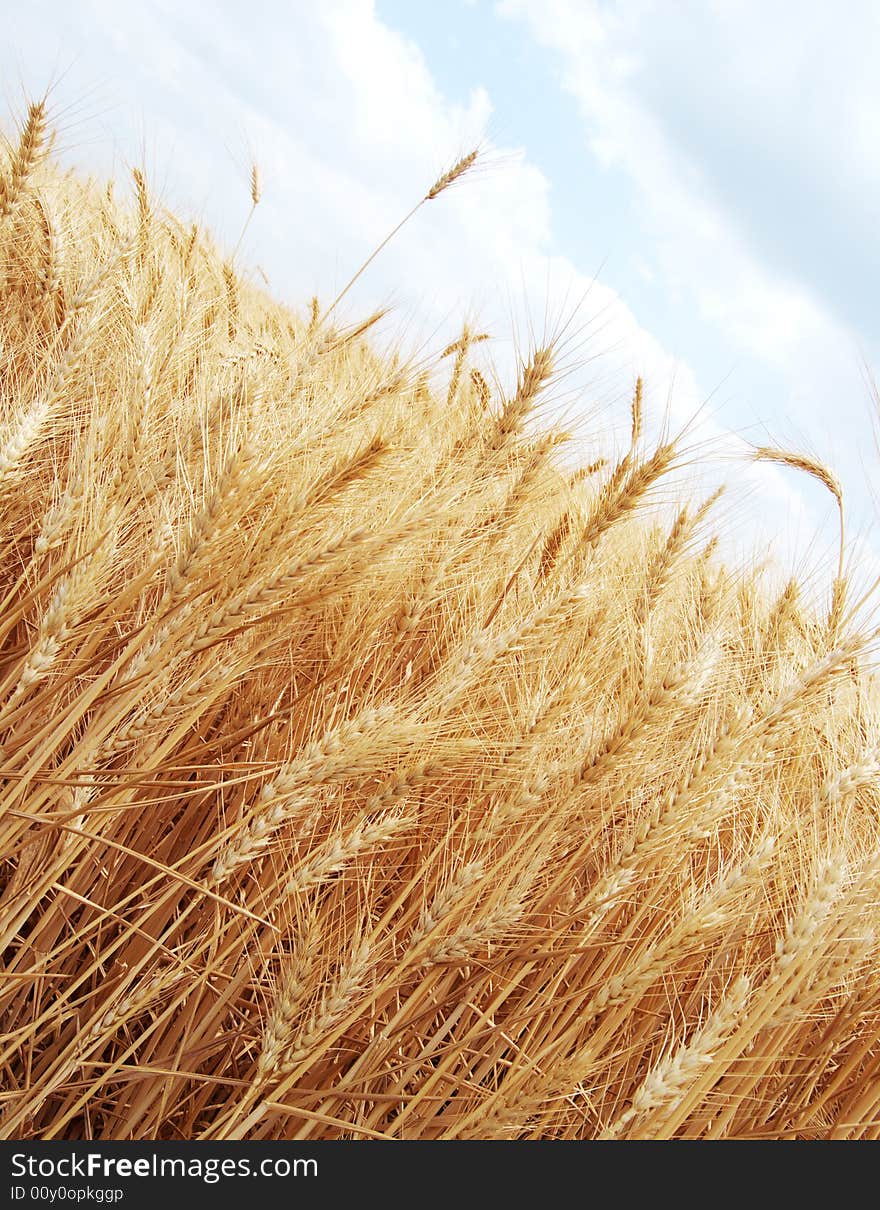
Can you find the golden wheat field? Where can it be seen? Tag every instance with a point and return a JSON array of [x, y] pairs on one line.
[[368, 772]]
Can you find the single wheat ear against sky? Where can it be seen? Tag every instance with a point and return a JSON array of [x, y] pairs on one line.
[[366, 771], [702, 181]]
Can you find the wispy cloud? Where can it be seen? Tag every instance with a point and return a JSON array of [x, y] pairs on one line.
[[743, 130]]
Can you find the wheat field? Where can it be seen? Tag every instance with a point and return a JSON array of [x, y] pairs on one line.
[[366, 771]]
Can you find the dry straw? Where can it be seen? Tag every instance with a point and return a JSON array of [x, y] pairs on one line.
[[366, 770]]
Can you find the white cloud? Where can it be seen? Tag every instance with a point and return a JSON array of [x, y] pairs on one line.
[[700, 240], [742, 132]]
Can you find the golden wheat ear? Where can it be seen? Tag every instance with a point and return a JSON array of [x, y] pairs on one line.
[[443, 182], [822, 474], [24, 158]]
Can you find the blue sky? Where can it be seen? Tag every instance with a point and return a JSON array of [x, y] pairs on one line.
[[703, 177]]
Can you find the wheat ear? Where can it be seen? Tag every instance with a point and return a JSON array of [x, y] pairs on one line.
[[24, 159], [668, 1081]]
